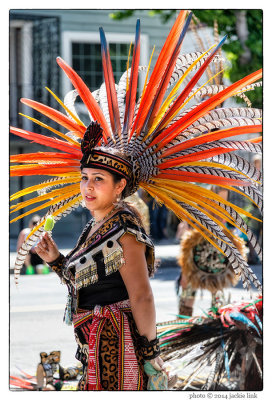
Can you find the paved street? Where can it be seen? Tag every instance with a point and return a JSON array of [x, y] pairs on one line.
[[37, 306]]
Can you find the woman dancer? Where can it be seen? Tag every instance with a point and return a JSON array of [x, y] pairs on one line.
[[107, 274]]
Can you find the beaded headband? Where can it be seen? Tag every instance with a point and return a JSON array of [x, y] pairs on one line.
[[105, 158]]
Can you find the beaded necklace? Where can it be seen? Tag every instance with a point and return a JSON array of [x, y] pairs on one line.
[[94, 222]]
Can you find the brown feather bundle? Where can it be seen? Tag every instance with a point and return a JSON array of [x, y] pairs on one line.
[[203, 265]]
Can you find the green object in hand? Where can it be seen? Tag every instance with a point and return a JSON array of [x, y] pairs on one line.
[[49, 223]]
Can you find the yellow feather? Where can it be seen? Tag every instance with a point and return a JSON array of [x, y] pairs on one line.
[[34, 188], [186, 102], [51, 195], [128, 64], [145, 83], [173, 93], [195, 201], [191, 200], [49, 203], [193, 95], [56, 213], [208, 193], [18, 167], [243, 194], [62, 135], [75, 118], [181, 213]]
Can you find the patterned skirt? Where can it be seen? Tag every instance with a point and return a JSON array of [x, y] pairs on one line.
[[107, 347]]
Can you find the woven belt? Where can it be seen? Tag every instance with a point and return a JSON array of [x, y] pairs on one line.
[[129, 375]]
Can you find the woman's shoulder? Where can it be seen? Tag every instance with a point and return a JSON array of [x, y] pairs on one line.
[[129, 218], [131, 223]]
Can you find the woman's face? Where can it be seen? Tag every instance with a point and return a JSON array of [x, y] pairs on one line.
[[98, 189]]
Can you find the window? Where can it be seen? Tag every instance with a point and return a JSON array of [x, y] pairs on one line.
[[82, 51], [20, 70], [86, 61]]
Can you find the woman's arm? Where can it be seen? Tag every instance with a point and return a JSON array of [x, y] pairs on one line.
[[135, 276]]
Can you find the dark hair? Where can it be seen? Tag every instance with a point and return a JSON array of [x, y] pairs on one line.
[[117, 178]]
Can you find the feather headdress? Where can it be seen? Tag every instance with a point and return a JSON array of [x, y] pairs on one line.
[[170, 150]]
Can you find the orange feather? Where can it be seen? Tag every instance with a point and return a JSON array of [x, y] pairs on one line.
[[158, 72], [209, 137], [201, 178], [86, 96], [42, 156], [54, 169], [56, 116], [46, 141], [170, 133]]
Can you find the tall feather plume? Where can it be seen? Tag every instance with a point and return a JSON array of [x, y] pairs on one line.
[[45, 185], [210, 137], [185, 60], [244, 227], [132, 90], [47, 141], [238, 162], [222, 146], [199, 129], [33, 169], [58, 133], [86, 96], [73, 116], [54, 193], [62, 195], [110, 86], [158, 71], [169, 101], [200, 220], [156, 103], [177, 104]]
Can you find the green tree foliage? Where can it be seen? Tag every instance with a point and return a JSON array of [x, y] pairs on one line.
[[243, 47]]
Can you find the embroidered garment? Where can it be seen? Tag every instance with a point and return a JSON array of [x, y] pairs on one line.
[[110, 330], [91, 273], [95, 261]]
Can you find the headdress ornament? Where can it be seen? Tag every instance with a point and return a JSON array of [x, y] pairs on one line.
[[159, 145]]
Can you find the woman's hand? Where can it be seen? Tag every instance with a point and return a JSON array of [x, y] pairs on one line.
[[157, 363], [47, 248]]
